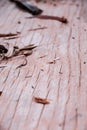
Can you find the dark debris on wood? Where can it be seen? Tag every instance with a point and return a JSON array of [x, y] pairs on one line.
[[26, 51], [0, 93], [3, 49]]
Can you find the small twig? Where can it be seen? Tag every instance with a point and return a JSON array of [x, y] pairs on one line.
[[8, 35], [48, 17], [60, 19]]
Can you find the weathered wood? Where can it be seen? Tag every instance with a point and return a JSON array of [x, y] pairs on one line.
[[56, 70]]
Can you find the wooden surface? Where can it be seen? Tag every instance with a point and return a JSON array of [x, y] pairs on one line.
[[57, 69]]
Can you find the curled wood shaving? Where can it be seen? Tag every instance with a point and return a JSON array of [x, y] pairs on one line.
[[23, 64], [41, 100], [16, 51]]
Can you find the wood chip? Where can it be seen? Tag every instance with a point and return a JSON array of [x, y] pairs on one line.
[[41, 100], [51, 62]]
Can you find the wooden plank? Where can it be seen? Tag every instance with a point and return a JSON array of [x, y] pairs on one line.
[[56, 70]]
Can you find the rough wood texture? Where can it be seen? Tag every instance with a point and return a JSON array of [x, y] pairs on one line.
[[57, 69]]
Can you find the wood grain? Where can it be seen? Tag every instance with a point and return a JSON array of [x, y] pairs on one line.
[[55, 71]]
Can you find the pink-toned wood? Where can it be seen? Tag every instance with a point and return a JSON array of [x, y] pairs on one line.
[[62, 82]]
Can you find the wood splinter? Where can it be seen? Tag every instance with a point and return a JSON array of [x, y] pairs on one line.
[[49, 17], [41, 100], [8, 35], [60, 19]]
